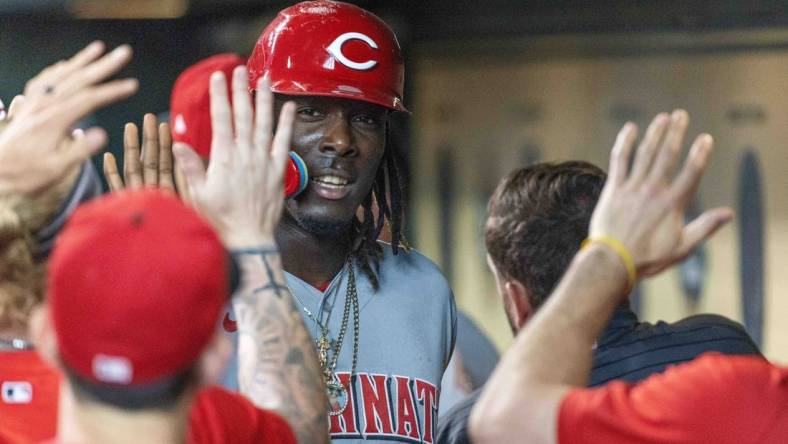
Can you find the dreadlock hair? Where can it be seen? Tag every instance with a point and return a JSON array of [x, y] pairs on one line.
[[387, 192]]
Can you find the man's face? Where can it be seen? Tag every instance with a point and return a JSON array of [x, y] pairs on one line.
[[342, 143]]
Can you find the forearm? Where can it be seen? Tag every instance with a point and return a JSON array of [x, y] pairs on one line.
[[552, 353], [278, 367]]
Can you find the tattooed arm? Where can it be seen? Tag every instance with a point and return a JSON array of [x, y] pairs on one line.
[[277, 363], [242, 194]]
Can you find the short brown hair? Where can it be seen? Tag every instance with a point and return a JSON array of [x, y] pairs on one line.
[[536, 220]]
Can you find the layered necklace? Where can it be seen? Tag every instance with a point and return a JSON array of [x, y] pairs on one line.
[[328, 350]]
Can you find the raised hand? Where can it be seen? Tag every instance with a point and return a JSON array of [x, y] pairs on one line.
[[644, 208], [242, 190], [153, 167], [242, 193], [37, 147]]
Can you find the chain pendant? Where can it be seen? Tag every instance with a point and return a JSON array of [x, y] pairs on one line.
[[328, 350], [322, 349], [337, 396]]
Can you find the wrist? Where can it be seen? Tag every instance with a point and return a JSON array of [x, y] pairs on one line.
[[240, 240], [616, 247], [608, 259]]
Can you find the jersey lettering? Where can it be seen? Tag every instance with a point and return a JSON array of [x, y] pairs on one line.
[[376, 404], [394, 408], [407, 424], [425, 393]]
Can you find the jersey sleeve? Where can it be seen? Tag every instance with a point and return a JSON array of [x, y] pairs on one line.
[[713, 399]]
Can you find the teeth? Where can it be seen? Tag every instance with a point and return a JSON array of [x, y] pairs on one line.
[[331, 180]]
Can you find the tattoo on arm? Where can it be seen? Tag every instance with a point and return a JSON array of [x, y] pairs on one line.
[[278, 367], [263, 253]]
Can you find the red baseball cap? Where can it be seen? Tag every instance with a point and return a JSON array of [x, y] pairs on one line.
[[190, 106], [136, 283]]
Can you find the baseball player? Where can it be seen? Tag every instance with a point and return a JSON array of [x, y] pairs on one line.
[[382, 317]]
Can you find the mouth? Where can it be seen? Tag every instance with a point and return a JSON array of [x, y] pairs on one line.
[[330, 186]]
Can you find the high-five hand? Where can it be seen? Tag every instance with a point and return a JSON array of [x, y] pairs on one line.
[[242, 193], [150, 168], [36, 146], [242, 190], [644, 209]]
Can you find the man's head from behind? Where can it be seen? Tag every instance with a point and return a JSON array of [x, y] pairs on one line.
[[134, 292], [537, 218]]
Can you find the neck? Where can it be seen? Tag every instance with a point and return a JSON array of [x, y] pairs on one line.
[[315, 259], [90, 422]]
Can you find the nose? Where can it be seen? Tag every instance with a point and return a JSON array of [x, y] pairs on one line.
[[338, 139]]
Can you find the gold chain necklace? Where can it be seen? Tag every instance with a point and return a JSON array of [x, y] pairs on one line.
[[338, 394]]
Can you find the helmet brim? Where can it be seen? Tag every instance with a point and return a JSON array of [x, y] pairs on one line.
[[383, 98]]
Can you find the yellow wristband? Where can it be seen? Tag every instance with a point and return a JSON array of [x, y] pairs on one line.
[[621, 251]]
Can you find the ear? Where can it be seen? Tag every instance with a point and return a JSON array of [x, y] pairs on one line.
[[521, 307], [214, 358], [42, 333]]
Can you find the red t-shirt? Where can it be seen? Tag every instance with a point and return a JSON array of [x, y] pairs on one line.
[[220, 416], [29, 393], [713, 399], [29, 409]]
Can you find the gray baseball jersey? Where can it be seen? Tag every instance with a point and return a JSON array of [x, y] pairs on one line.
[[407, 332]]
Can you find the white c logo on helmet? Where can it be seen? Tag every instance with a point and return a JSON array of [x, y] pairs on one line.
[[335, 49]]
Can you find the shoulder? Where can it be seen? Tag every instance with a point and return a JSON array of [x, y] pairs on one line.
[[730, 372], [716, 327], [414, 264], [219, 412], [741, 391], [711, 321], [714, 377]]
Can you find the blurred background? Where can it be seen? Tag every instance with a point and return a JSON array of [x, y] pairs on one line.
[[502, 83]]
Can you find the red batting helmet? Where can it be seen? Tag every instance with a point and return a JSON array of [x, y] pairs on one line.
[[329, 48]]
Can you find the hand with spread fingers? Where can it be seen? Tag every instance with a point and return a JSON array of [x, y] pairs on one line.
[[242, 190], [644, 208], [150, 167], [242, 194], [37, 146]]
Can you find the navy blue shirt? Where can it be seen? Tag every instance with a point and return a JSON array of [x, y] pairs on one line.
[[631, 350]]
